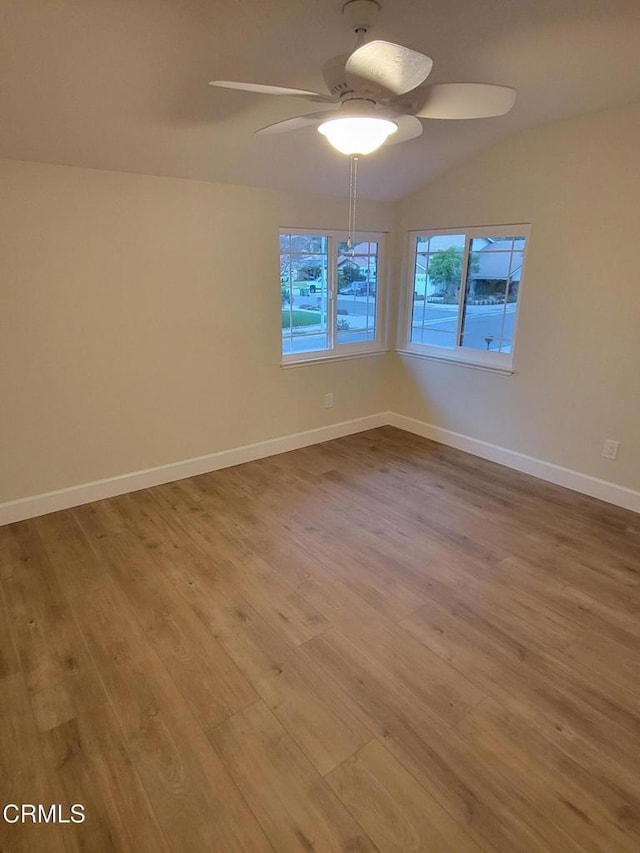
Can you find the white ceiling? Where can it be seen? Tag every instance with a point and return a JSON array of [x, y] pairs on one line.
[[122, 84]]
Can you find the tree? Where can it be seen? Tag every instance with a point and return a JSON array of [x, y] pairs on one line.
[[445, 269], [347, 274], [309, 272]]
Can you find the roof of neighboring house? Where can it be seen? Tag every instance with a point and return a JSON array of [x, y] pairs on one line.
[[494, 260], [359, 257]]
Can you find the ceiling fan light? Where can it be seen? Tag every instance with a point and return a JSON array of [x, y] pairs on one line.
[[357, 134]]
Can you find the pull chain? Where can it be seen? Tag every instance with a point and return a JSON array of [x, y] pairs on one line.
[[353, 197]]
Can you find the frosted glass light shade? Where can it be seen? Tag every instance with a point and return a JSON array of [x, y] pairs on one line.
[[357, 134]]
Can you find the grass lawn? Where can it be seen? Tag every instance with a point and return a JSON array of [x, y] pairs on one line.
[[300, 318]]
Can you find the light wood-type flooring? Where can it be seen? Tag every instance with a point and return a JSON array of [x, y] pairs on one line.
[[374, 644]]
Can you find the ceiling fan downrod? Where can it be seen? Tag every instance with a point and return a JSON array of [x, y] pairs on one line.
[[353, 198]]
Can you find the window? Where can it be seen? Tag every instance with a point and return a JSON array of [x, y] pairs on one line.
[[329, 295], [463, 296]]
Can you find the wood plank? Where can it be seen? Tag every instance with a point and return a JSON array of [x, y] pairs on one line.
[[452, 645], [92, 767], [24, 775], [194, 799], [58, 671], [439, 688], [397, 813], [532, 683], [597, 816], [9, 660], [212, 684], [295, 806], [12, 548], [465, 785], [101, 518], [607, 659], [249, 573], [315, 717]]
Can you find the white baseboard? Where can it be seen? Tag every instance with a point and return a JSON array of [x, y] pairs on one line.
[[86, 493], [584, 483], [31, 507]]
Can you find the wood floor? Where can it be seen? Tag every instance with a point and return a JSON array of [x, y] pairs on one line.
[[374, 644]]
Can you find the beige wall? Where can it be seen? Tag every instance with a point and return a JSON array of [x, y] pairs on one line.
[[137, 324], [138, 313], [578, 349]]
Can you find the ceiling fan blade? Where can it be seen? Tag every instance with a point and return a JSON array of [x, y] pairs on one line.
[[264, 89], [387, 67], [409, 127], [295, 123], [464, 100]]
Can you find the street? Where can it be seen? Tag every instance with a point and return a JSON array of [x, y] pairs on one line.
[[438, 329], [482, 321]]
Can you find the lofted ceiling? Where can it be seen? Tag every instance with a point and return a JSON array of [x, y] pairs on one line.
[[122, 84]]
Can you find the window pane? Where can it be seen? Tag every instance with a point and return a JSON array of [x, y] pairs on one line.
[[303, 284], [307, 269], [308, 243], [358, 248], [517, 259], [491, 295], [357, 292], [497, 244], [436, 290], [446, 241], [489, 265]]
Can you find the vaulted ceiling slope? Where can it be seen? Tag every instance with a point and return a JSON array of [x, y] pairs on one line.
[[122, 84]]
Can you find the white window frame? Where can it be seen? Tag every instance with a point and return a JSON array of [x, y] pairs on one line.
[[347, 350], [499, 362]]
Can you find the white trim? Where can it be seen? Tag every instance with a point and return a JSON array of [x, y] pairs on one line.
[[460, 354], [98, 490], [370, 236], [339, 351], [461, 362], [334, 348], [321, 359], [496, 230], [574, 480]]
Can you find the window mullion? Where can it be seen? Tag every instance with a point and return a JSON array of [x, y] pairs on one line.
[[290, 288], [506, 298], [462, 301], [410, 287], [332, 277]]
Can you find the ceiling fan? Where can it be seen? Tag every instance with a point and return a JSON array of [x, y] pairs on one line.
[[377, 94]]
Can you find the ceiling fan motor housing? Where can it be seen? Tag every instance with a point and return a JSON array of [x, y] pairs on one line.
[[361, 14], [334, 76]]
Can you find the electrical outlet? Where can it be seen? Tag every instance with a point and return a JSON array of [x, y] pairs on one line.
[[328, 401], [610, 449]]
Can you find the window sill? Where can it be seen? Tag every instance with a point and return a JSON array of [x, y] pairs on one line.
[[505, 370], [307, 358]]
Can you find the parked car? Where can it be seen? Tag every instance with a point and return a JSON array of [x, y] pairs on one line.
[[365, 289], [360, 288]]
